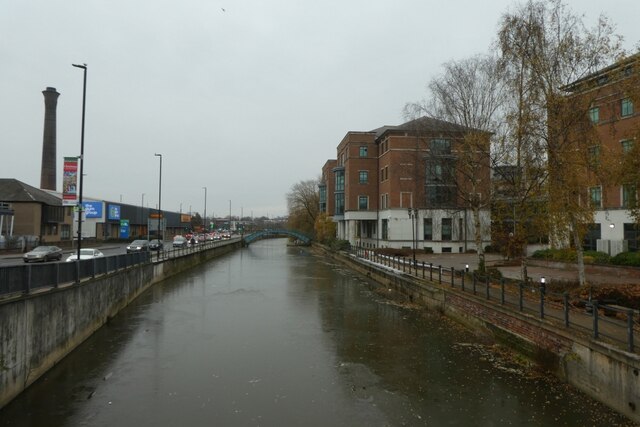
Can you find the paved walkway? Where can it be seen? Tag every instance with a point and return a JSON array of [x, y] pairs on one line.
[[621, 276]]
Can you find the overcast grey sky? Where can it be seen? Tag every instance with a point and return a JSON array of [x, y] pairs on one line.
[[245, 97]]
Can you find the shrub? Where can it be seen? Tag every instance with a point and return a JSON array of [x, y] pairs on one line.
[[627, 258], [340, 245], [394, 252], [570, 255], [598, 257], [428, 250]]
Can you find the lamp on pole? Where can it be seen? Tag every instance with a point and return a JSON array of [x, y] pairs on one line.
[[205, 209], [229, 217], [84, 103], [159, 194], [142, 214], [413, 215]]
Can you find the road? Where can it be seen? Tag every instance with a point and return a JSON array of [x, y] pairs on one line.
[[107, 249]]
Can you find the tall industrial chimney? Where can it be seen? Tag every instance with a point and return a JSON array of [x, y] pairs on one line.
[[48, 171]]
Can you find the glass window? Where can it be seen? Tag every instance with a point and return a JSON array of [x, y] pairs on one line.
[[629, 195], [447, 231], [591, 237], [594, 114], [428, 229], [323, 198], [363, 151], [596, 196], [440, 195], [440, 146], [339, 197], [340, 180], [627, 145], [594, 155], [364, 177], [627, 107], [632, 236], [363, 203], [385, 229]]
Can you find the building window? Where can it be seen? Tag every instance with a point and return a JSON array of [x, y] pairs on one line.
[[596, 196], [428, 228], [627, 145], [364, 177], [440, 195], [626, 107], [440, 147], [590, 242], [629, 196], [384, 201], [363, 151], [339, 198], [447, 231], [632, 236], [385, 229], [65, 231], [340, 180], [594, 114], [323, 197], [594, 156], [363, 203]]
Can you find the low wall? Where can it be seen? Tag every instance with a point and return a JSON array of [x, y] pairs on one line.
[[38, 330], [603, 372]]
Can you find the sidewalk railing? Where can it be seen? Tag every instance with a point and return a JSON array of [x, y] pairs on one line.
[[603, 320], [28, 278]]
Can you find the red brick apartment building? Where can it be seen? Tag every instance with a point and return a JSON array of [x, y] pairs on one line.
[[392, 187], [612, 94]]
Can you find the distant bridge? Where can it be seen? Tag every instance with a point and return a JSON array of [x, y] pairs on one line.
[[263, 234]]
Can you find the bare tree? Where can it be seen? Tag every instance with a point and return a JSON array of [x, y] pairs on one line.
[[544, 48], [303, 202], [469, 94]]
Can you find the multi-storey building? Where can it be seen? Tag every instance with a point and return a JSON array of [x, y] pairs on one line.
[[399, 186], [611, 190]]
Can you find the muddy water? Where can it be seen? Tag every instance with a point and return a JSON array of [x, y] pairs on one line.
[[275, 336]]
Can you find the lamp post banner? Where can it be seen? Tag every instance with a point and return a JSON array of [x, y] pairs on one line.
[[70, 181]]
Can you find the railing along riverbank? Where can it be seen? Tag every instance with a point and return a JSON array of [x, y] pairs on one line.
[[603, 320], [16, 280]]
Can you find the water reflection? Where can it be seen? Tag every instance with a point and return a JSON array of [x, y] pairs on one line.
[[273, 335]]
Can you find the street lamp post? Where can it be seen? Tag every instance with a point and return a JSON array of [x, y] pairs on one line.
[[159, 195], [142, 216], [205, 209], [413, 215], [84, 103], [229, 216]]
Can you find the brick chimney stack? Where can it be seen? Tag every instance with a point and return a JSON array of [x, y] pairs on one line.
[[48, 171]]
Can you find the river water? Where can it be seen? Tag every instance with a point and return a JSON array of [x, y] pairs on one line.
[[275, 336]]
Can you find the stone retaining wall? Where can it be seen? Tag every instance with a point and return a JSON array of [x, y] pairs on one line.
[[603, 372], [38, 330]]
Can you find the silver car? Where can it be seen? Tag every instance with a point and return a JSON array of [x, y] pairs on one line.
[[88, 253], [43, 254]]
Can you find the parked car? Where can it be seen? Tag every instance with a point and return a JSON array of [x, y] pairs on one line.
[[180, 242], [43, 253], [89, 253], [138, 246], [156, 245]]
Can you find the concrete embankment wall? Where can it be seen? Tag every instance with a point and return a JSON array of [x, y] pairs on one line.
[[38, 330], [605, 373]]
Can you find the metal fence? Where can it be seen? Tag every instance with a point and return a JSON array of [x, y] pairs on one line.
[[603, 320], [28, 278], [24, 279]]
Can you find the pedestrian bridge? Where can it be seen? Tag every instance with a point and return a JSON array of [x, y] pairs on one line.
[[269, 233]]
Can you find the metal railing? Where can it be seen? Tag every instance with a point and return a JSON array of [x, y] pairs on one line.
[[28, 278], [603, 320]]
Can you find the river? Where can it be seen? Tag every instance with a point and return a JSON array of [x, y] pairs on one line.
[[273, 335]]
